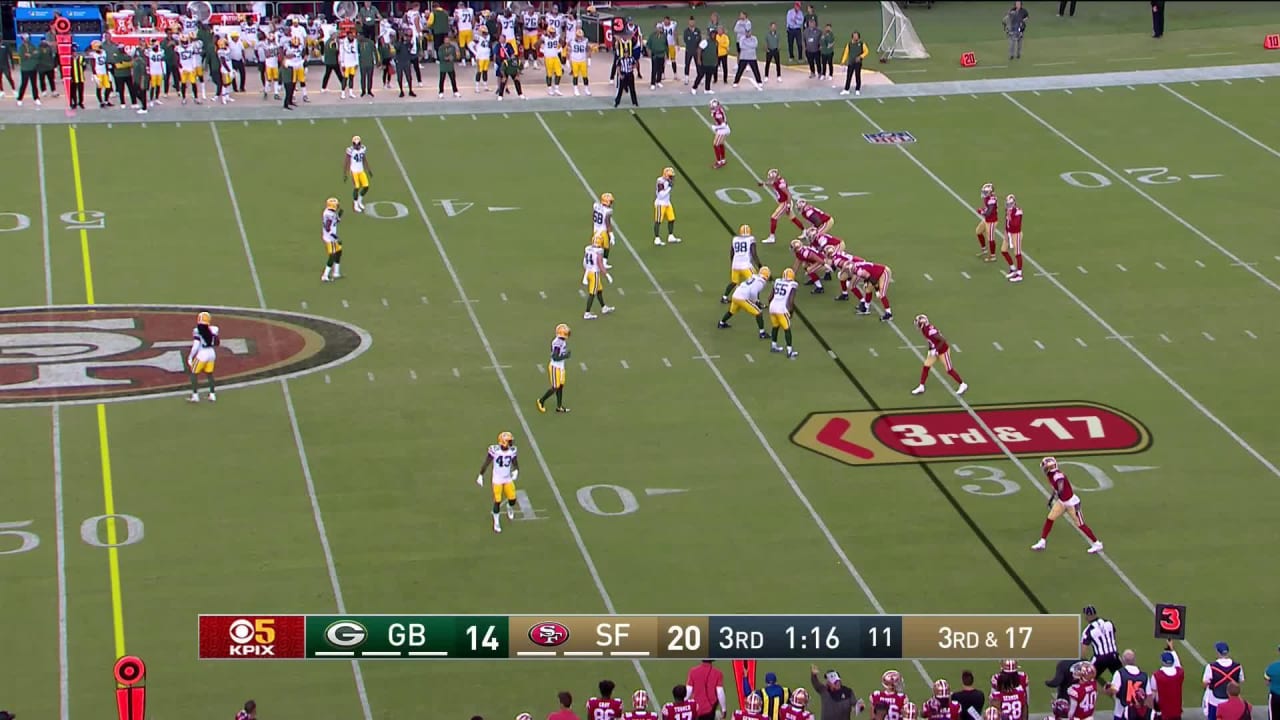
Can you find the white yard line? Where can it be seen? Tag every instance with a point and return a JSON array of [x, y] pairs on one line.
[[59, 506], [316, 515], [1220, 121], [516, 406], [1124, 179]]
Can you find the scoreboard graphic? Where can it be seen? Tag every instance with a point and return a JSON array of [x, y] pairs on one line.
[[765, 637]]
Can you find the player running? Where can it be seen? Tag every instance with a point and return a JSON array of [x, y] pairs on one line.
[[746, 297], [332, 245], [202, 357], [357, 168], [719, 126], [506, 469], [1012, 238], [938, 348], [555, 370], [988, 215], [593, 267], [742, 260], [662, 208], [1063, 500], [778, 186], [781, 304]]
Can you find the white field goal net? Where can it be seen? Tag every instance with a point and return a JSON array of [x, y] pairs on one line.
[[899, 39]]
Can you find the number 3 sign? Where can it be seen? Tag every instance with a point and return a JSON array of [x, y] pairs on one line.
[[1171, 621]]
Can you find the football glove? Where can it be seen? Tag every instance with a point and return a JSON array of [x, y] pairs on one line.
[[515, 475], [480, 479]]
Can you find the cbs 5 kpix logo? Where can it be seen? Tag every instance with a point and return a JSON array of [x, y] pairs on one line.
[[253, 638], [345, 635]]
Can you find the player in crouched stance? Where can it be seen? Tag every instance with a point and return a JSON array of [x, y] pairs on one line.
[[781, 304], [506, 468], [594, 271], [555, 370], [1063, 500], [204, 340], [332, 245], [938, 348], [746, 297]]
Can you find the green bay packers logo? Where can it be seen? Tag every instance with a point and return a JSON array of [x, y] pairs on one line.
[[887, 437], [345, 634], [103, 353]]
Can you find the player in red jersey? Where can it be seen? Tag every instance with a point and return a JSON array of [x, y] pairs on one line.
[[1063, 500], [891, 693], [680, 708], [754, 709], [991, 713], [1012, 238], [795, 710], [778, 186], [640, 707], [910, 711], [938, 348], [1010, 671], [1083, 695], [811, 261], [250, 711], [877, 277], [815, 216], [842, 263], [719, 126], [1061, 709], [988, 216], [822, 240], [941, 706], [605, 707], [1011, 699]]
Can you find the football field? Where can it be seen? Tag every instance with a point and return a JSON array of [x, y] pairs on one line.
[[698, 472]]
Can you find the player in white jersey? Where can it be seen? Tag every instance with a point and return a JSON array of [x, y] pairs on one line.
[[348, 61], [529, 38], [482, 51], [743, 259], [662, 209], [579, 60], [223, 78], [197, 46], [507, 23], [551, 61], [555, 370], [555, 21], [188, 62], [506, 469], [269, 57], [464, 20], [669, 28], [332, 245], [200, 360], [595, 273], [357, 167], [155, 72], [781, 305], [746, 297], [602, 222]]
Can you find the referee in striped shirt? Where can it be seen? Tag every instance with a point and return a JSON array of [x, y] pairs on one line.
[[1100, 636], [626, 78]]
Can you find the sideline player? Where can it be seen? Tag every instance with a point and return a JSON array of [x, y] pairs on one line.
[[892, 693], [593, 267], [778, 186], [1010, 699], [639, 707], [781, 304], [506, 469], [332, 245], [201, 358], [1012, 238], [746, 297], [555, 370], [1083, 695], [795, 710], [719, 126], [938, 348], [815, 217], [579, 61], [551, 61], [606, 706], [941, 706], [357, 167], [753, 709], [742, 260], [662, 209], [988, 214], [1063, 500], [602, 222], [1009, 670]]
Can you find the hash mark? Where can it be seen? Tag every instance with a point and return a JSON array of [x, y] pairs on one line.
[[1037, 92], [1165, 338], [1244, 264], [503, 296], [750, 359], [1068, 91], [326, 379], [313, 121], [424, 300], [385, 303], [1207, 336], [542, 294], [1098, 89], [697, 287], [1081, 342], [1227, 82], [943, 97], [178, 124], [666, 362], [956, 348], [1260, 80], [1039, 344], [1250, 334], [880, 100], [1122, 268], [346, 304], [278, 122], [625, 366], [1195, 84], [370, 377], [911, 98], [1082, 270], [584, 366], [496, 367], [504, 115], [465, 301], [997, 346], [928, 277], [832, 354], [1160, 265], [304, 304], [965, 274], [600, 112], [246, 123], [706, 357], [1130, 87], [456, 373], [873, 352], [1200, 264], [973, 95], [538, 367], [144, 125], [413, 375], [815, 102], [409, 118], [786, 105], [1046, 274], [621, 292], [1119, 337], [662, 109], [755, 105], [582, 293], [566, 112]]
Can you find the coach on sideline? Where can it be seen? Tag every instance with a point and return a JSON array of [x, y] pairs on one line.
[[705, 685], [838, 701]]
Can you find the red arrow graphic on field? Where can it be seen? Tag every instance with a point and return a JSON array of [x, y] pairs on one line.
[[832, 435]]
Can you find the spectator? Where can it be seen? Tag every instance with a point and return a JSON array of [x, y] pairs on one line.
[[747, 45], [838, 701], [827, 54], [706, 63], [692, 39], [812, 44], [330, 62], [369, 20], [1157, 18], [970, 698], [854, 51], [1015, 24], [722, 53], [627, 83], [1169, 684], [1235, 708], [1132, 688], [6, 66], [566, 698], [657, 47], [811, 16], [1272, 676], [404, 59], [446, 58], [795, 26], [1062, 6], [368, 54], [705, 685], [1100, 636], [774, 696], [123, 65], [438, 26], [138, 82], [46, 66], [740, 29], [772, 51], [714, 22], [1218, 675]]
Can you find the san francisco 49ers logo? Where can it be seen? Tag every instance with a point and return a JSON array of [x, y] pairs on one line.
[[549, 634], [101, 353]]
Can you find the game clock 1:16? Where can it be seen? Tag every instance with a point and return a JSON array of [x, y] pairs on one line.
[[845, 638]]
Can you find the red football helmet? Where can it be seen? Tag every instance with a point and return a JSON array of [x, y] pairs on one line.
[[1009, 665], [942, 689], [910, 711], [1061, 708], [754, 704], [1084, 672], [800, 697], [1049, 464], [640, 700]]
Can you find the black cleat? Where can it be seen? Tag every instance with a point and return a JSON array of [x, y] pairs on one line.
[[887, 316], [722, 325], [817, 290], [562, 409], [864, 308], [842, 297]]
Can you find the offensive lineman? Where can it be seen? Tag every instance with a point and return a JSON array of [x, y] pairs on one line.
[[506, 469]]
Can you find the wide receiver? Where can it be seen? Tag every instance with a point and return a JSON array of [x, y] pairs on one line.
[[1012, 239], [332, 245], [720, 127], [662, 208], [743, 259], [203, 356], [356, 166], [594, 272], [988, 215], [782, 194], [602, 222], [1063, 500], [506, 469], [938, 348], [555, 370]]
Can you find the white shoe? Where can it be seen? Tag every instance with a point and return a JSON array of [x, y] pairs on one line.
[[1040, 545], [759, 87], [457, 94], [844, 92], [691, 92], [1016, 277], [963, 387], [918, 391], [325, 278], [439, 95], [213, 397], [709, 92], [735, 85], [652, 87], [658, 241], [608, 265], [770, 240], [589, 316], [857, 92], [195, 398], [511, 513], [1095, 548], [779, 78], [355, 205], [586, 90], [38, 103], [496, 527], [606, 309], [673, 239], [576, 92], [1011, 273], [792, 354], [142, 112]]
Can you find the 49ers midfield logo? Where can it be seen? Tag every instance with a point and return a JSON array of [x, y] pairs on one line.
[[889, 437], [72, 353]]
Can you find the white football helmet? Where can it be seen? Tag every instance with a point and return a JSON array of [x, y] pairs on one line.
[[988, 189], [801, 203], [922, 320], [773, 174], [714, 103], [1010, 200]]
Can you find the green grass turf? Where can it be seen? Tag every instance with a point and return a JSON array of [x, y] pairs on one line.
[[393, 439], [1102, 37]]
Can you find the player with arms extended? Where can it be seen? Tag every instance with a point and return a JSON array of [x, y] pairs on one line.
[[555, 370], [506, 469], [357, 168], [640, 707], [1012, 238], [815, 216], [593, 267], [1083, 695], [203, 354], [891, 693], [662, 209], [781, 304], [742, 260], [606, 706], [1063, 500], [938, 348], [602, 222], [719, 126], [332, 245], [941, 706], [988, 216], [746, 297], [778, 186]]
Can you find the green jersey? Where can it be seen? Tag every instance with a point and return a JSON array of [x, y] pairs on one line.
[[447, 56]]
